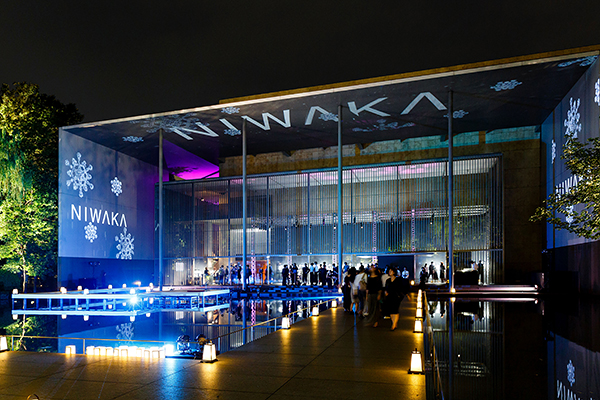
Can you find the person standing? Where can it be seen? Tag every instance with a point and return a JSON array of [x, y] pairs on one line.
[[305, 272], [284, 275], [393, 297], [360, 283], [442, 272], [374, 288], [480, 270]]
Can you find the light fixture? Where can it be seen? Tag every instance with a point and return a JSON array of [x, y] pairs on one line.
[[15, 317], [452, 290], [96, 351], [315, 311], [132, 318], [419, 304], [110, 286], [15, 291], [70, 349], [86, 317], [334, 303], [3, 344], [139, 352], [89, 351], [147, 353], [412, 283], [285, 323], [131, 291], [209, 354], [103, 350], [148, 314], [419, 313], [169, 349], [86, 291], [63, 290], [418, 326], [80, 288], [124, 351], [110, 306], [416, 362], [64, 316], [138, 283], [124, 285]]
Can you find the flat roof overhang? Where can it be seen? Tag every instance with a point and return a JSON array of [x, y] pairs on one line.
[[515, 92]]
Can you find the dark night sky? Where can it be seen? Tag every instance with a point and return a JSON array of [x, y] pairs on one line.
[[116, 59]]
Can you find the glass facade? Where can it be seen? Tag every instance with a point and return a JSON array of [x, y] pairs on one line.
[[389, 209]]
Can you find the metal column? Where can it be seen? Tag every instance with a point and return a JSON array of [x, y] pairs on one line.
[[160, 209], [450, 193], [244, 207], [340, 199]]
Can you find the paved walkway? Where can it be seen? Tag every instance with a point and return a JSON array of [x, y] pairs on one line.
[[332, 356]]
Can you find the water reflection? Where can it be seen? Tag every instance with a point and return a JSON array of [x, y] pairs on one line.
[[505, 349], [231, 327]]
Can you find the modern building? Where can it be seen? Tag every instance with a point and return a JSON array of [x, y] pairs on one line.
[[355, 172]]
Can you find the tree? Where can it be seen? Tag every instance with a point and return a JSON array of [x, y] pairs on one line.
[[583, 161], [29, 122]]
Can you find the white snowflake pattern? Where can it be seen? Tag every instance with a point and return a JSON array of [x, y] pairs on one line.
[[572, 121], [230, 110], [125, 331], [90, 232], [116, 186], [133, 139], [79, 174], [125, 245], [597, 92], [571, 373], [382, 126], [457, 114], [569, 214], [506, 85], [329, 117], [232, 132], [583, 62], [553, 150]]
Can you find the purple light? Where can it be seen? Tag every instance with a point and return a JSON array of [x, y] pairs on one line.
[[187, 165]]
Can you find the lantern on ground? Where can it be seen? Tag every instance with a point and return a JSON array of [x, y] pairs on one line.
[[209, 354], [416, 362], [285, 323]]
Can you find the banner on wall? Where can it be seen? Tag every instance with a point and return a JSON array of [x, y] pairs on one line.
[[106, 202]]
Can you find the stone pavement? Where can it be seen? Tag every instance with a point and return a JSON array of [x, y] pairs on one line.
[[333, 356]]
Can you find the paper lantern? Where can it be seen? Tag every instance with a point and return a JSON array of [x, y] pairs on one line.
[[285, 323], [209, 353], [416, 362], [70, 349]]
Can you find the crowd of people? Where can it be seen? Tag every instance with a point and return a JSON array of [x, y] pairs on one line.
[[371, 292]]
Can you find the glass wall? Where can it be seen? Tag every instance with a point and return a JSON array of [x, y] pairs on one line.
[[292, 217]]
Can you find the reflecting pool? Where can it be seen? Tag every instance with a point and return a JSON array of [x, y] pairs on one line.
[[474, 348]]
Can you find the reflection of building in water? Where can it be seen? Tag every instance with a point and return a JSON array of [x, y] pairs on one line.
[[492, 341]]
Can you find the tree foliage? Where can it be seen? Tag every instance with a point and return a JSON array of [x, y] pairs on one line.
[[583, 161], [29, 122]]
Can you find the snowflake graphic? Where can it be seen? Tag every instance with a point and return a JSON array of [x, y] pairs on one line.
[[457, 114], [78, 172], [125, 331], [382, 126], [232, 132], [133, 139], [125, 245], [597, 92], [90, 232], [553, 150], [115, 186], [571, 373], [506, 85], [583, 62], [572, 121], [329, 117], [230, 110], [569, 214]]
